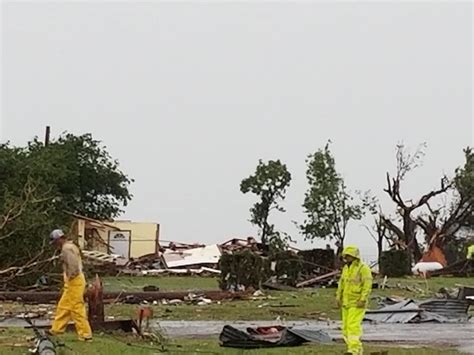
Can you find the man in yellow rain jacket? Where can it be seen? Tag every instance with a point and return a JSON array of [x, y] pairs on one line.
[[352, 296], [470, 251], [71, 306]]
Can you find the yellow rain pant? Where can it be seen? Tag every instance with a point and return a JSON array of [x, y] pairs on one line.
[[71, 307], [352, 328]]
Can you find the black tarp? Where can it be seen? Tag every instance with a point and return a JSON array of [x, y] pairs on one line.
[[261, 338]]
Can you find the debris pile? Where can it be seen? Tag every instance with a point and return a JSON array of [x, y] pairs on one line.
[[461, 268], [171, 259], [282, 271], [237, 244]]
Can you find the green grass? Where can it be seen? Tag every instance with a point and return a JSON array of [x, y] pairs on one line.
[[124, 344], [316, 304], [312, 304], [165, 283]]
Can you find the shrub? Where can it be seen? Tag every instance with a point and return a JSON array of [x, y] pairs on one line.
[[395, 263]]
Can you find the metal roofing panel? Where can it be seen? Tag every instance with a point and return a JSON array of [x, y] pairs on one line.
[[437, 310], [449, 308], [207, 255], [397, 313]]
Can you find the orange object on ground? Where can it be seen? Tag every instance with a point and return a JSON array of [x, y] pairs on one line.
[[434, 254]]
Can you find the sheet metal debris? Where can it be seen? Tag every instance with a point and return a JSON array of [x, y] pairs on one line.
[[467, 293], [456, 310], [409, 311], [401, 312]]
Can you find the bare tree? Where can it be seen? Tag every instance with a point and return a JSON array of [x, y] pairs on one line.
[[380, 233], [407, 233], [441, 224]]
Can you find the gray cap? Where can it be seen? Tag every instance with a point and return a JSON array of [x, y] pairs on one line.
[[55, 235]]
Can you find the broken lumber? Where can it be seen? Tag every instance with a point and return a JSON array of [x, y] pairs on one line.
[[277, 287], [318, 278], [52, 297]]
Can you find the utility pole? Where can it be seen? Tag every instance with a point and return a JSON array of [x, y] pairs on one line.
[[46, 136]]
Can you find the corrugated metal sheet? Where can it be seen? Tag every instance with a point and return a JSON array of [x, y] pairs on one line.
[[451, 309], [401, 312], [437, 310]]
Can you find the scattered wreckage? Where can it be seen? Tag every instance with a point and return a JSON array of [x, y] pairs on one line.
[[410, 311], [270, 337], [450, 306]]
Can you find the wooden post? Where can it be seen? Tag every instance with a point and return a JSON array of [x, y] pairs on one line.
[[47, 135], [96, 302]]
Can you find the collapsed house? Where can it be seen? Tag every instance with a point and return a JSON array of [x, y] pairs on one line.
[[127, 239]]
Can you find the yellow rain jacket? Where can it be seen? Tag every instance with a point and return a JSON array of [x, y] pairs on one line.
[[470, 252], [355, 283], [353, 290]]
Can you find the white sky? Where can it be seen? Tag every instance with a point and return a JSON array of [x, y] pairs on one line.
[[189, 95]]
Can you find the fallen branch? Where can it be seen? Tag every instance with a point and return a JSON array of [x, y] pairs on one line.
[[18, 269]]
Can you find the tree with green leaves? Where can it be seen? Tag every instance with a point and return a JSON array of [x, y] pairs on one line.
[[39, 184], [84, 176], [464, 183], [269, 183], [328, 205]]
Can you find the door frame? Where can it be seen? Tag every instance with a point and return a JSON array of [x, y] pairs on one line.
[[129, 241]]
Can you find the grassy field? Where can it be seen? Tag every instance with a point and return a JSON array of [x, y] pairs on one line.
[[16, 343], [315, 304], [165, 283], [311, 304]]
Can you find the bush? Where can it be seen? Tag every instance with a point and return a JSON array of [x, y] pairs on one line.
[[288, 267], [243, 268], [252, 270], [455, 250], [395, 263]]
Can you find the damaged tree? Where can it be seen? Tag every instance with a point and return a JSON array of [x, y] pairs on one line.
[[438, 224], [441, 224], [380, 234], [38, 183]]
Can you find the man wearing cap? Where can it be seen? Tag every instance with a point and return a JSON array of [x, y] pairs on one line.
[[352, 297], [71, 306]]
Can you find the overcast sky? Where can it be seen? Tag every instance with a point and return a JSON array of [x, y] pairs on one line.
[[188, 96]]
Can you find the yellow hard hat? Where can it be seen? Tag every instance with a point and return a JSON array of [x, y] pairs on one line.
[[351, 250]]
